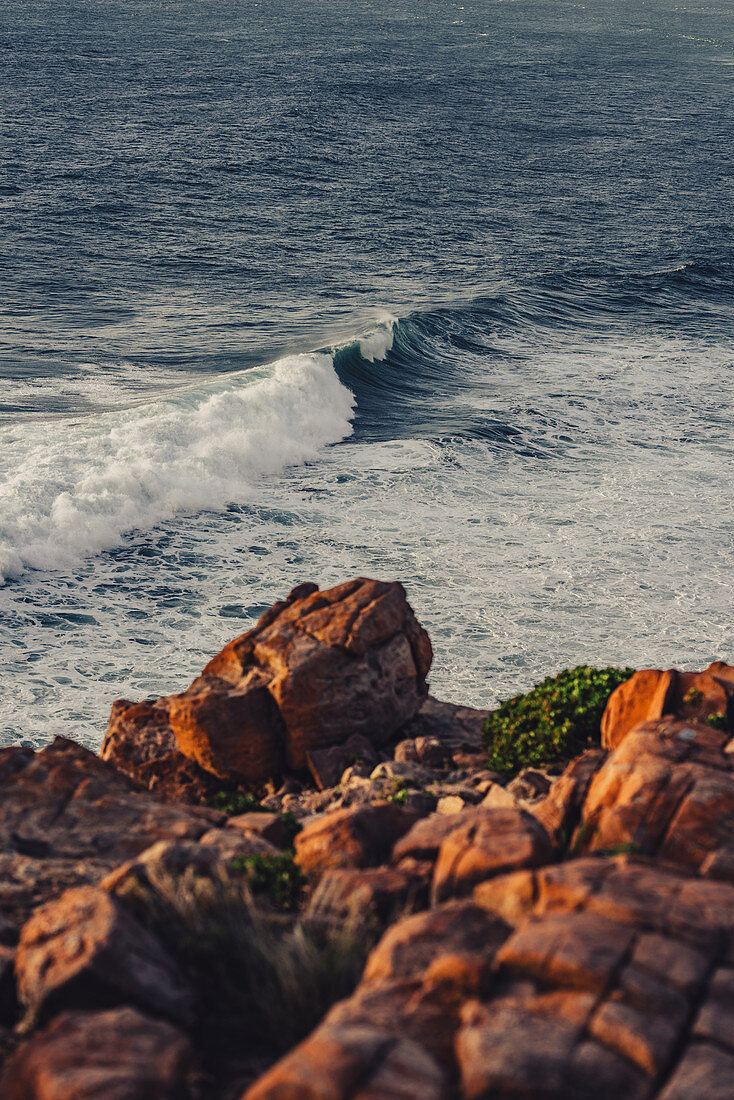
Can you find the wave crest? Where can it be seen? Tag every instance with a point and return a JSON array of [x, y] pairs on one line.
[[76, 488]]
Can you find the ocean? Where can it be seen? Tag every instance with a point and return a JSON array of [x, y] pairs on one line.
[[434, 292]]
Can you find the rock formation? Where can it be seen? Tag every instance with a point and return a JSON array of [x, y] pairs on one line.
[[439, 931], [318, 669]]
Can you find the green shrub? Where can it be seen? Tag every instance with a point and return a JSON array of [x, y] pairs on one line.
[[716, 721], [555, 721], [276, 876]]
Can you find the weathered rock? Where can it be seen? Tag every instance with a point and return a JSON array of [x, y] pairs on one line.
[[141, 744], [704, 1071], [362, 836], [533, 1046], [667, 790], [650, 695], [199, 868], [559, 812], [529, 784], [318, 669], [421, 944], [67, 817], [426, 836], [116, 1055], [85, 951], [353, 1063], [489, 843], [457, 729]]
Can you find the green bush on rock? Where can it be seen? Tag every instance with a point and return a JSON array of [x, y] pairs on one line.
[[557, 720], [277, 877]]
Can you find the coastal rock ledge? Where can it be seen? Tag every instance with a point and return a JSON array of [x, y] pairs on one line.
[[309, 885]]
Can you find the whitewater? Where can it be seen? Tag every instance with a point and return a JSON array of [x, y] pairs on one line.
[[440, 294]]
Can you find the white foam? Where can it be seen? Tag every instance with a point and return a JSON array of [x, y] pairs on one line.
[[375, 344], [74, 488]]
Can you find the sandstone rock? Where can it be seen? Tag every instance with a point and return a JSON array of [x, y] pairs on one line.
[[488, 844], [667, 790], [414, 946], [67, 817], [318, 669], [426, 836], [140, 743], [196, 867], [450, 804], [560, 810], [353, 1063], [529, 784], [579, 951], [84, 950], [372, 895], [116, 1055], [429, 751], [354, 837], [704, 1071], [533, 1046], [456, 728], [651, 694], [497, 798]]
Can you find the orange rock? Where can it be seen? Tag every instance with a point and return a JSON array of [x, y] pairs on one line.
[[490, 843], [650, 695], [140, 743], [118, 1055], [357, 836], [352, 1062], [559, 811], [667, 790], [412, 947], [317, 669], [85, 949], [576, 950]]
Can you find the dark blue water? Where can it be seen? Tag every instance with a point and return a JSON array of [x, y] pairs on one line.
[[298, 290]]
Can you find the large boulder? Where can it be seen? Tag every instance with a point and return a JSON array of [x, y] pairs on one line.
[[652, 694], [119, 1055], [67, 817], [318, 669], [84, 950]]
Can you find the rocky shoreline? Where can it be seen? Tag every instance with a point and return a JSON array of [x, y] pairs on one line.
[[301, 878]]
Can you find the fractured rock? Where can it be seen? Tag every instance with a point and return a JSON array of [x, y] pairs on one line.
[[650, 695], [318, 669]]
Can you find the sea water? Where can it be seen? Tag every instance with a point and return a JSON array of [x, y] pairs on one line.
[[438, 292]]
